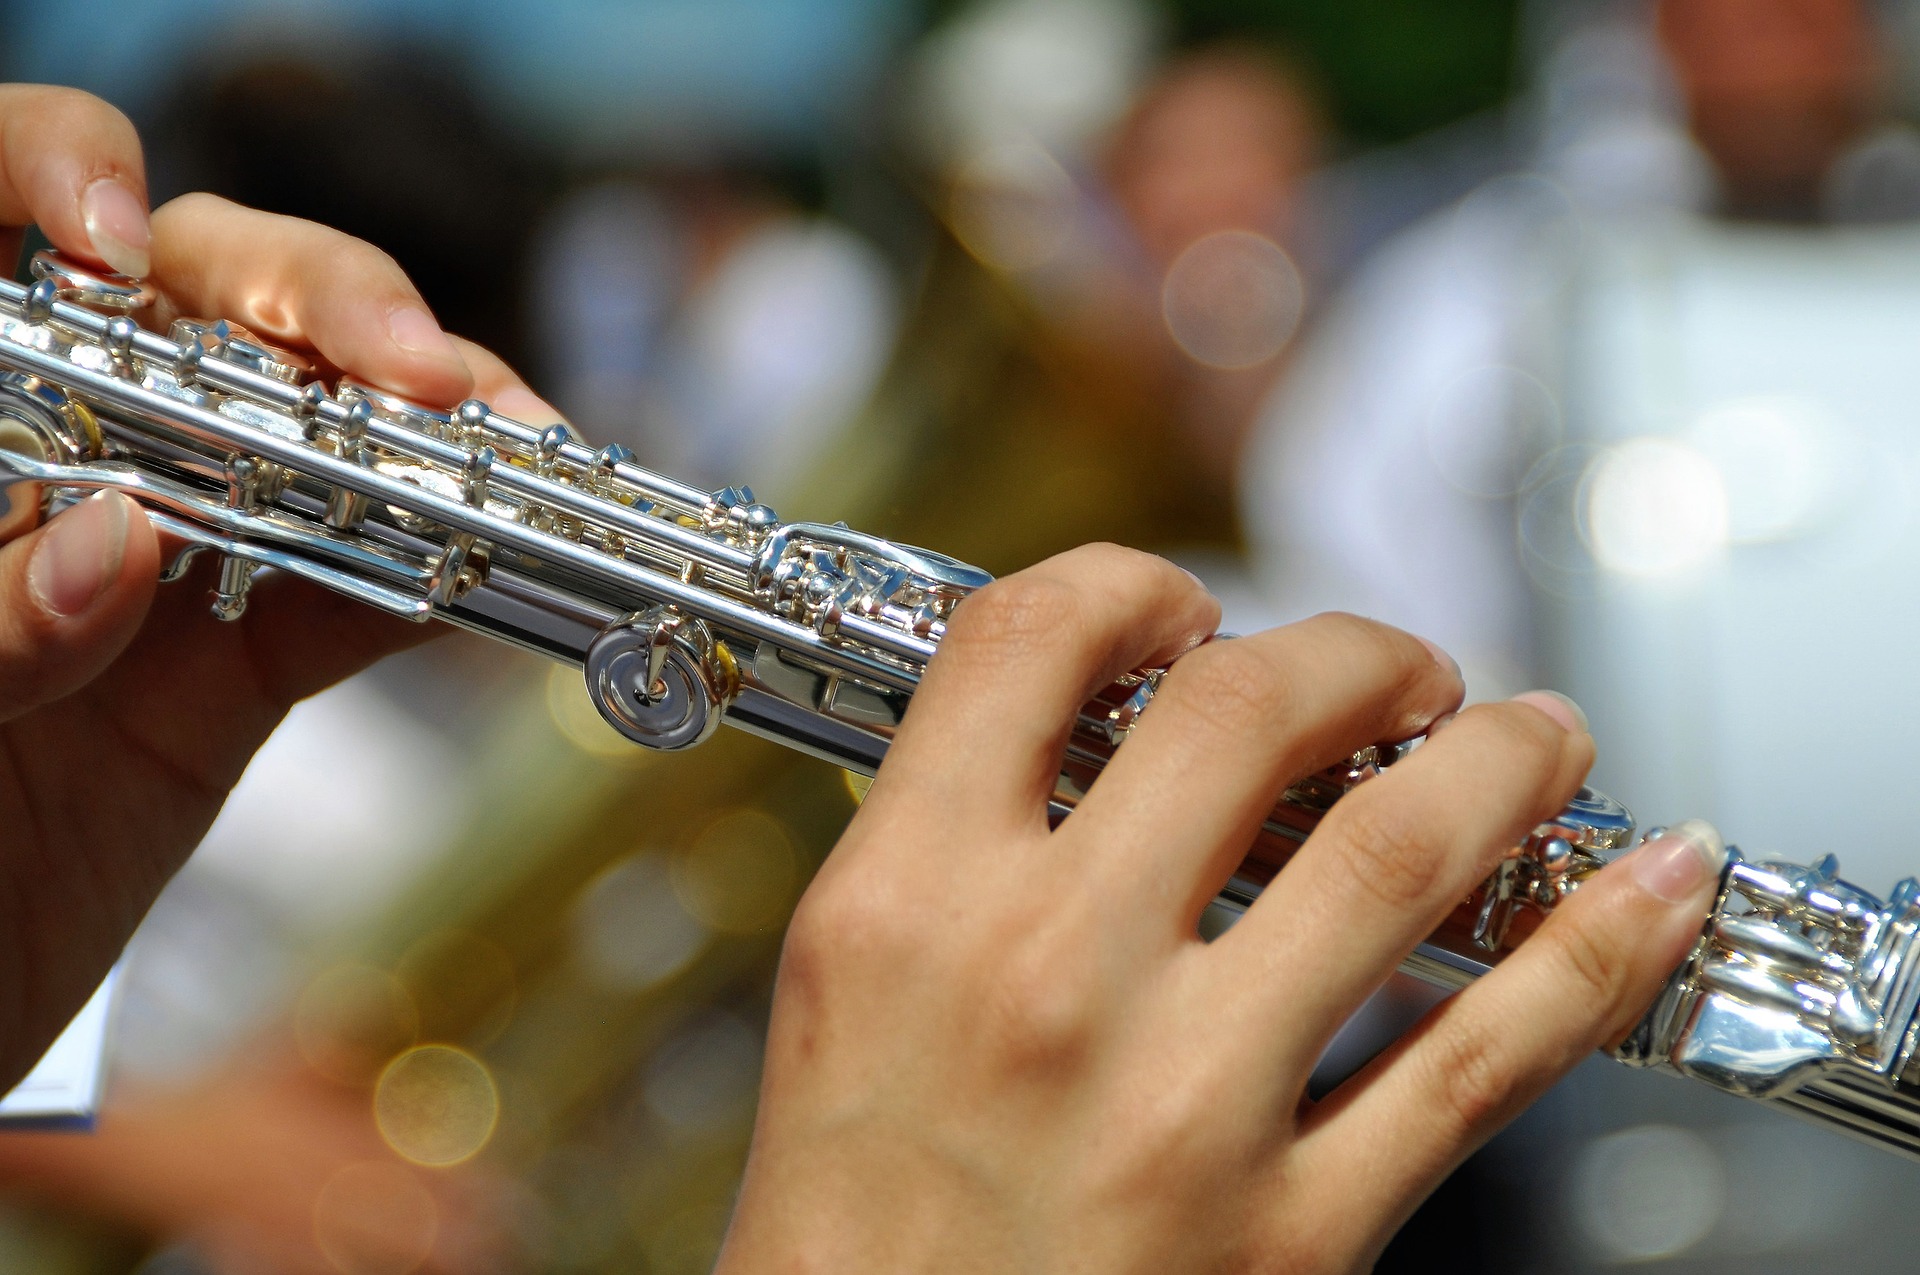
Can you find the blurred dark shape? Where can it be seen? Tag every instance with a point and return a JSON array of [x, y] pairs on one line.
[[1776, 90], [1393, 68], [389, 145]]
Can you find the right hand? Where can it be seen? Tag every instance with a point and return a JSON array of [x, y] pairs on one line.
[[127, 713], [998, 1045]]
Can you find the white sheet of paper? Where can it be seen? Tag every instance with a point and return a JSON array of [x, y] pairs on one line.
[[63, 1090]]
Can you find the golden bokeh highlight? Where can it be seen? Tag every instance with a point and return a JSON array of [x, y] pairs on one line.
[[351, 1019], [436, 1105], [741, 875], [375, 1218], [571, 710], [1013, 206], [463, 986]]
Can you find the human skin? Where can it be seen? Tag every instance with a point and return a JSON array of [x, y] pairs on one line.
[[996, 1045], [1002, 1046], [1775, 90], [126, 712]]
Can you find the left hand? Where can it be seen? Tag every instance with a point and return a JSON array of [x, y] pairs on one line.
[[126, 711]]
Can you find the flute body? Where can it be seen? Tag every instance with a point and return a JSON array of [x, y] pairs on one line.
[[685, 608]]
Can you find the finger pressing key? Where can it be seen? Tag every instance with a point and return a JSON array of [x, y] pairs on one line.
[[1396, 855], [72, 595], [1580, 982], [303, 284], [71, 164]]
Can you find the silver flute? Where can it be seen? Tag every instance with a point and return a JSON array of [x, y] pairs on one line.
[[685, 608]]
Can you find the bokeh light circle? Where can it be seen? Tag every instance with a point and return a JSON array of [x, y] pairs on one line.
[[630, 931], [1648, 1192], [1781, 460], [436, 1105], [1232, 299], [375, 1218], [1654, 507], [1013, 206], [740, 876]]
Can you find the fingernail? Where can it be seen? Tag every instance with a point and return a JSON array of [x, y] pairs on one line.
[[1674, 867], [116, 223], [1558, 707], [79, 553], [526, 407], [418, 332], [1441, 657]]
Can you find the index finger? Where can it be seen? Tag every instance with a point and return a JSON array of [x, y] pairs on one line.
[[986, 732], [71, 164], [301, 283]]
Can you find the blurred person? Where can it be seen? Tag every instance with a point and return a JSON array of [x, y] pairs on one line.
[[89, 643], [1207, 170], [1097, 325], [711, 324], [1633, 420], [1775, 93]]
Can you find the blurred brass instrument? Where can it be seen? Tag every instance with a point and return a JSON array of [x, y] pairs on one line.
[[685, 608]]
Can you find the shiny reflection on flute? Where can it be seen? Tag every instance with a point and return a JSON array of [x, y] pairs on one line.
[[685, 608]]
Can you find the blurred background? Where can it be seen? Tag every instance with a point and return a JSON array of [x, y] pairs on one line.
[[1580, 335]]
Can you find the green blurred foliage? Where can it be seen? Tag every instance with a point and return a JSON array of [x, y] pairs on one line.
[[1390, 68]]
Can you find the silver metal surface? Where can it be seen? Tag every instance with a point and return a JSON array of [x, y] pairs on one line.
[[684, 608]]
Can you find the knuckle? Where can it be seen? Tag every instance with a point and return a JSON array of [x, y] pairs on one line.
[[379, 264], [1043, 1015], [1239, 686], [1390, 656], [193, 206], [1106, 555], [1524, 736], [1519, 745], [1118, 567], [1474, 1086], [1592, 970], [1019, 611], [63, 110], [1350, 631], [1385, 855], [1043, 999], [849, 920]]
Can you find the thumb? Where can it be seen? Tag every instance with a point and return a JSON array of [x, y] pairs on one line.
[[72, 595]]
